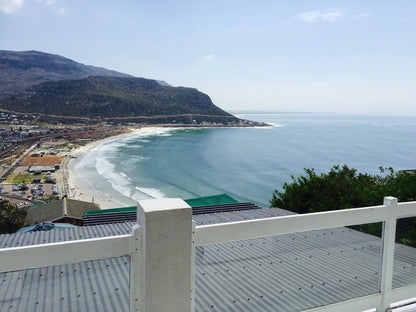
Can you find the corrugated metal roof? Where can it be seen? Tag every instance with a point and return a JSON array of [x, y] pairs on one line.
[[101, 285], [62, 235], [126, 214], [107, 218], [223, 208], [279, 273], [58, 209]]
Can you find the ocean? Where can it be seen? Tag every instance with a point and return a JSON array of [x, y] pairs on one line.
[[246, 163]]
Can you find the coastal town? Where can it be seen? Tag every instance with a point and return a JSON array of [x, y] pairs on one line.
[[34, 158]]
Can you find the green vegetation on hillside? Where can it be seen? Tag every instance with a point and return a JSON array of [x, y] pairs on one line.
[[101, 97], [343, 188]]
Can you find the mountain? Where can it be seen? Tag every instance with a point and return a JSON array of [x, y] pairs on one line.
[[109, 97], [61, 89], [21, 70]]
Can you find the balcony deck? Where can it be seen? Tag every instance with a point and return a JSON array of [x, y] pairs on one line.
[[289, 272]]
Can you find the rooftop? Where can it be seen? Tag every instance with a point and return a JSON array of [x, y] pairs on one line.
[[289, 272], [62, 209]]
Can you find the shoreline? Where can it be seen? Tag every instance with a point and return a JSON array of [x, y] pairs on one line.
[[75, 189]]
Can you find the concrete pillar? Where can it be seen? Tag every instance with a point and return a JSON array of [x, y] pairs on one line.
[[161, 265]]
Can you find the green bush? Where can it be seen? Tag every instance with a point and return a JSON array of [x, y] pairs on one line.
[[343, 188], [11, 217]]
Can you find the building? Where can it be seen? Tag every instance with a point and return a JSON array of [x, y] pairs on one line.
[[200, 205], [40, 169], [64, 211]]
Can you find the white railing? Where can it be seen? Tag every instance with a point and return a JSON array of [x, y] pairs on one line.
[[387, 213], [162, 251]]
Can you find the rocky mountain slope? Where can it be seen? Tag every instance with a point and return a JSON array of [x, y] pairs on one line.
[[62, 89], [21, 70], [111, 97]]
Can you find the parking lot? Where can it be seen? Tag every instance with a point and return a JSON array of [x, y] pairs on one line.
[[29, 192]]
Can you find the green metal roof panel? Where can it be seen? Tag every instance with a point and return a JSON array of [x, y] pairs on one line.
[[211, 200], [193, 202], [112, 210]]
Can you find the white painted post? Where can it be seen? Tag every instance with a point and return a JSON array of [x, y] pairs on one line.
[[389, 236], [165, 266]]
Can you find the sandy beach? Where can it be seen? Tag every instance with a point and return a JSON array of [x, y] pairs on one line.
[[75, 190]]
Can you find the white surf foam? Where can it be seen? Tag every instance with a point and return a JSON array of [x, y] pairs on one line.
[[153, 193], [118, 181], [122, 183], [99, 158], [275, 125]]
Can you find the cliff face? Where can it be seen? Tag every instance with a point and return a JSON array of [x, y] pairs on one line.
[[36, 82]]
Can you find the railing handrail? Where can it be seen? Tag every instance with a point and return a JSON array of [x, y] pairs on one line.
[[75, 251], [248, 229], [67, 252]]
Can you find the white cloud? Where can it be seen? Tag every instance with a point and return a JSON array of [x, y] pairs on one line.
[[54, 6], [208, 57], [10, 6], [361, 15], [320, 83], [320, 15], [60, 11]]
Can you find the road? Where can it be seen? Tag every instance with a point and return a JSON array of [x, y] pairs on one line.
[[17, 163]]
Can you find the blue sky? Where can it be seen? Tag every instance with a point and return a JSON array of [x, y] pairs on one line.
[[315, 56]]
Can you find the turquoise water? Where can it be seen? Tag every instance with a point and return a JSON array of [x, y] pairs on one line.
[[247, 163]]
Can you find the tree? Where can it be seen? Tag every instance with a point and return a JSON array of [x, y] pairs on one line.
[[11, 217], [343, 188]]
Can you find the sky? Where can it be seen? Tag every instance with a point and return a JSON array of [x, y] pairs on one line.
[[354, 57]]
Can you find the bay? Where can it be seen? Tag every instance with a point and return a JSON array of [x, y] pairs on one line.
[[247, 163]]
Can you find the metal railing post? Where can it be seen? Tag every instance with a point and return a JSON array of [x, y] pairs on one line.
[[389, 236], [162, 267]]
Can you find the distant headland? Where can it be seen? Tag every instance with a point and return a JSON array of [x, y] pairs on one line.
[[53, 89]]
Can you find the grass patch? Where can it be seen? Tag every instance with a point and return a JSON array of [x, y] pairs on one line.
[[18, 178]]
